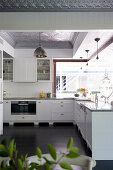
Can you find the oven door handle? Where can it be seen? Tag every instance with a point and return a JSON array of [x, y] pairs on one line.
[[22, 104]]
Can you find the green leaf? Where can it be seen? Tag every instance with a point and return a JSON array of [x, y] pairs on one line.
[[70, 142], [4, 142], [65, 165], [74, 149], [4, 154], [52, 151], [34, 166], [47, 166], [48, 161], [26, 155], [20, 164], [38, 152], [2, 147], [72, 155], [11, 147]]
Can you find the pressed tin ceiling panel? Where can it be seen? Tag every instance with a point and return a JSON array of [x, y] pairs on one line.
[[56, 5], [49, 39]]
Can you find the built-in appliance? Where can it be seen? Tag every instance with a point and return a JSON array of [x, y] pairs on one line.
[[23, 107]]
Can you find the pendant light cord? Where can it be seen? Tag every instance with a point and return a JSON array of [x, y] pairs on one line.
[[81, 62], [87, 56], [39, 38], [97, 40]]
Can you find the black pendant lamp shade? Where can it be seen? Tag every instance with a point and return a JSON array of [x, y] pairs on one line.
[[40, 52]]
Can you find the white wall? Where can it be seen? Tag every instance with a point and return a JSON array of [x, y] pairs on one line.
[[26, 89], [33, 89], [55, 20]]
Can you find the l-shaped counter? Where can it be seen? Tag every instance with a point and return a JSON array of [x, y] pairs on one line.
[[94, 121]]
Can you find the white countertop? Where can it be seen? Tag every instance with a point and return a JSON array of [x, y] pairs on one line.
[[101, 106]]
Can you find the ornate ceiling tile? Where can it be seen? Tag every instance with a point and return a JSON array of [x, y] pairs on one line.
[[56, 5], [49, 39]]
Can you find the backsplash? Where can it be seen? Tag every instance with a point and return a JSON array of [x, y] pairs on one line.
[[26, 89]]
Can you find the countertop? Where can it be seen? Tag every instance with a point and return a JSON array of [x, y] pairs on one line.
[[36, 98], [101, 106]]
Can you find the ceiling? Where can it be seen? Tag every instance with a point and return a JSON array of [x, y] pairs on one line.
[[90, 44], [55, 5], [49, 39], [65, 39]]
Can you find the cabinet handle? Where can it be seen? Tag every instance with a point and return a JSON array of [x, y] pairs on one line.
[[61, 105], [7, 102], [61, 114], [22, 117], [39, 102], [61, 102]]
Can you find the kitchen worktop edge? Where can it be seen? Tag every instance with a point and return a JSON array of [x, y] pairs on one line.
[[33, 98]]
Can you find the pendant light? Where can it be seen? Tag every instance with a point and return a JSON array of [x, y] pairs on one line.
[[40, 52], [81, 63], [97, 40], [87, 51]]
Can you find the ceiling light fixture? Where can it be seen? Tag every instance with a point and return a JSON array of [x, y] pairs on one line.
[[40, 52], [97, 40], [87, 51]]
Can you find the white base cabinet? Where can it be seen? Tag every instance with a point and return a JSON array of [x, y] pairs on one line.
[[83, 119], [88, 124], [6, 111], [1, 119], [62, 110], [43, 108], [46, 111], [23, 119]]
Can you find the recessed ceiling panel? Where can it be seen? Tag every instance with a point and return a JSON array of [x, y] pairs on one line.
[[49, 39]]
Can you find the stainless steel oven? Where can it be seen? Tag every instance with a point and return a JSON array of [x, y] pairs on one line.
[[23, 107]]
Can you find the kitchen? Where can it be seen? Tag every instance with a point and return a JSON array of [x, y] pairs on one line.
[[23, 89]]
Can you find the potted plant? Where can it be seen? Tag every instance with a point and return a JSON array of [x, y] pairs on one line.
[[12, 162]]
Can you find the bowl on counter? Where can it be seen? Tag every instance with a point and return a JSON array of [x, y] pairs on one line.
[[76, 95]]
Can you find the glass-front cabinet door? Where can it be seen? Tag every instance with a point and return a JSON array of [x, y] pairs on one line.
[[8, 69], [1, 64], [43, 69]]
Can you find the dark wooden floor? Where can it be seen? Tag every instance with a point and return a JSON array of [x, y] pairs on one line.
[[29, 137]]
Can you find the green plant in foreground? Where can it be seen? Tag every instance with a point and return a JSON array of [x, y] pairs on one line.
[[21, 163]]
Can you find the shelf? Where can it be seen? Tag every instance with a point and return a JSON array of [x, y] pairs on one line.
[[7, 69], [43, 70]]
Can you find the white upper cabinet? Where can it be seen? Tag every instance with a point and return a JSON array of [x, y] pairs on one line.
[[25, 70]]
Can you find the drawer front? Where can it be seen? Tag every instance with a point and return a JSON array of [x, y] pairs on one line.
[[23, 118], [62, 116], [62, 106]]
